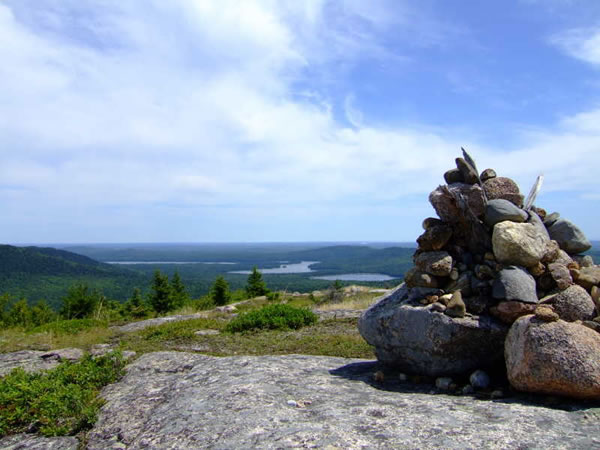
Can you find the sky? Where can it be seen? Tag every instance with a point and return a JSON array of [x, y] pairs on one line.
[[286, 120]]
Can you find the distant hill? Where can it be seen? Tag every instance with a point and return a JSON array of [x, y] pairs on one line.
[[43, 272]]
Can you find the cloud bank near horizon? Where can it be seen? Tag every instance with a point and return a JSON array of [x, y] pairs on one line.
[[263, 120]]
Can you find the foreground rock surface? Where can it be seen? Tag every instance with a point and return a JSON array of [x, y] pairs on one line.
[[417, 340], [553, 358], [189, 401], [33, 442]]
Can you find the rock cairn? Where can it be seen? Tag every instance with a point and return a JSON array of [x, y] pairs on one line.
[[496, 280]]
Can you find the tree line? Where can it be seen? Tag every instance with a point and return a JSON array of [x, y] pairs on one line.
[[83, 302]]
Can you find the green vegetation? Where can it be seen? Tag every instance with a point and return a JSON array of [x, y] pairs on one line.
[[255, 286], [220, 293], [36, 273], [59, 401], [272, 317]]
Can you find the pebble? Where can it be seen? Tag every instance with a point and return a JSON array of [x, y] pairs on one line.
[[443, 383], [497, 394], [468, 390], [293, 403], [479, 379], [379, 376], [402, 377]]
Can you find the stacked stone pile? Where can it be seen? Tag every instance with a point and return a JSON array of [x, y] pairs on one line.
[[496, 280]]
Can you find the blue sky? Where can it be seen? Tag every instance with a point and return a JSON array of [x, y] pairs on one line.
[[287, 120]]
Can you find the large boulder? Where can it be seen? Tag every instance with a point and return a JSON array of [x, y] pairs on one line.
[[504, 188], [515, 283], [553, 358], [444, 202], [574, 303], [519, 244], [418, 340], [570, 238]]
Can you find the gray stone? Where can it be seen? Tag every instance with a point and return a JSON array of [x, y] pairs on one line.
[[190, 401], [456, 306], [502, 187], [453, 176], [551, 253], [499, 210], [467, 171], [551, 218], [479, 379], [140, 325], [24, 441], [35, 361], [574, 303], [443, 201], [561, 275], [519, 244], [535, 220], [431, 222], [434, 263], [509, 311], [462, 284], [584, 260], [415, 278], [444, 383], [487, 174], [434, 237], [570, 238], [419, 341], [515, 283], [589, 277], [556, 358]]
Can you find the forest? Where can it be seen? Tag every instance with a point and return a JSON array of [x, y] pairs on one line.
[[42, 273]]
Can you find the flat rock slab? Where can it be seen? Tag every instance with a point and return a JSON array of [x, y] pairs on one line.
[[137, 326], [32, 442], [189, 401], [34, 361]]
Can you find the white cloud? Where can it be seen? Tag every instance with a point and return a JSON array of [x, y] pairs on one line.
[[194, 104], [580, 43]]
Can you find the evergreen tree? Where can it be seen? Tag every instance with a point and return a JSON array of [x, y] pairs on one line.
[[20, 314], [255, 285], [220, 291], [80, 302], [136, 306], [41, 313], [161, 298], [180, 295]]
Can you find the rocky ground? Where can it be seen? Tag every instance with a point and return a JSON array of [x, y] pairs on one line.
[[184, 400]]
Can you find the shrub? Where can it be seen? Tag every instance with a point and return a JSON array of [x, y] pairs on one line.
[[60, 401], [272, 317], [80, 302]]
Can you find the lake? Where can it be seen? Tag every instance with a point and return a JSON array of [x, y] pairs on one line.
[[301, 267], [357, 277], [167, 262]]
